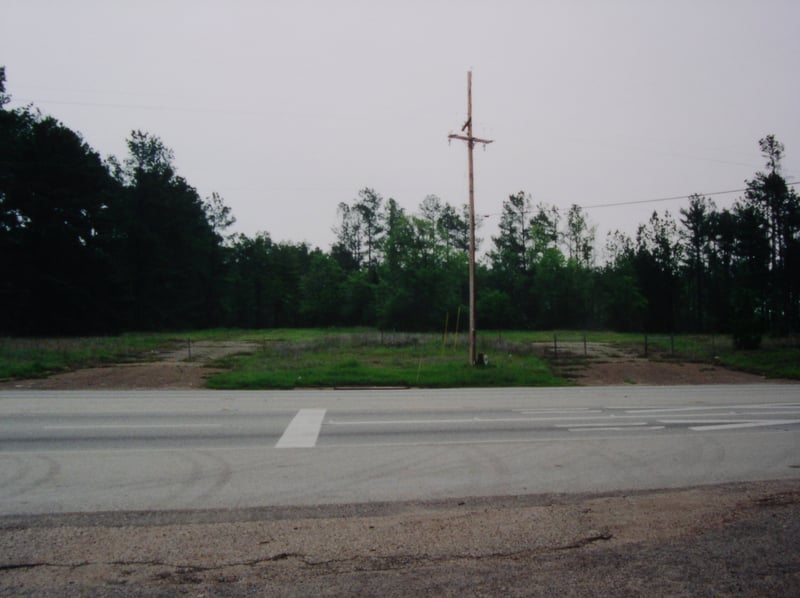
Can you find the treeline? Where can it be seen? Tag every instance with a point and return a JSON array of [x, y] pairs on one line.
[[103, 246], [733, 270]]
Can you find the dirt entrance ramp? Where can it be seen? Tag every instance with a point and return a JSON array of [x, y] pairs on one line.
[[185, 366], [605, 364]]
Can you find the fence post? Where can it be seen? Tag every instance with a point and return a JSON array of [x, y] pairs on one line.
[[444, 336], [555, 346], [585, 352]]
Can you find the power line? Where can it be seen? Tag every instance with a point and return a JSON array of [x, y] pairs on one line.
[[131, 106], [673, 198]]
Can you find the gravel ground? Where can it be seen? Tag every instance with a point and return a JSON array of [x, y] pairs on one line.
[[735, 539]]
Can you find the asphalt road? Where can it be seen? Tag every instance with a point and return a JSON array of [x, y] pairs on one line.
[[159, 450]]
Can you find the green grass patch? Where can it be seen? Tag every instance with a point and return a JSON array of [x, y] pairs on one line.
[[773, 363], [37, 357], [368, 358], [363, 357]]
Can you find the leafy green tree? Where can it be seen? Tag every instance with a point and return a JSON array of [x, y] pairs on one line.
[[721, 259], [169, 254], [348, 246], [697, 234], [55, 195], [398, 303], [510, 263], [620, 303], [359, 299], [219, 216], [579, 236], [512, 243], [657, 259], [453, 228], [267, 282], [368, 207], [445, 228], [549, 282], [544, 233], [322, 291], [4, 98], [769, 193], [750, 298], [250, 293], [358, 235], [419, 280], [290, 261]]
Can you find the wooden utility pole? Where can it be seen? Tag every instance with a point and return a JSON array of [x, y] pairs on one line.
[[471, 141]]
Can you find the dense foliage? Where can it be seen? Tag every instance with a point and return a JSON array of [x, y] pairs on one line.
[[93, 246]]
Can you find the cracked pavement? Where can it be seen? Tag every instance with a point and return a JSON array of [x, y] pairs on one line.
[[727, 539]]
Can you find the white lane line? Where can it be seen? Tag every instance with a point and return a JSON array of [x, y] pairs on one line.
[[303, 430], [603, 425], [706, 420], [770, 412], [707, 425], [126, 426], [750, 424], [714, 408], [616, 429], [557, 410], [400, 422], [474, 420], [648, 410]]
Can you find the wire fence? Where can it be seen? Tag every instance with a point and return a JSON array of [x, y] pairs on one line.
[[661, 346]]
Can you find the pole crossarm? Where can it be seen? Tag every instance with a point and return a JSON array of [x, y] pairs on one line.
[[470, 139]]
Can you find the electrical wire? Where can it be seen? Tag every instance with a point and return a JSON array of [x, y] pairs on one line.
[[154, 107], [673, 198]]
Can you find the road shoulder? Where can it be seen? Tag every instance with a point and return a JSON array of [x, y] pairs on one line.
[[726, 539]]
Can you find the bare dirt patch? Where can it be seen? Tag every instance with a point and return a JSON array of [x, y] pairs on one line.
[[601, 364], [650, 372], [184, 367], [188, 367]]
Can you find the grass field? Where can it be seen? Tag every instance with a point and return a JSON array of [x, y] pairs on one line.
[[369, 358], [773, 363], [291, 358], [34, 357]]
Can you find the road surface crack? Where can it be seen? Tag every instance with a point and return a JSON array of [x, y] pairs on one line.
[[580, 543]]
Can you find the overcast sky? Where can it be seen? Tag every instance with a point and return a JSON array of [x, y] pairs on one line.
[[287, 108]]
